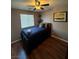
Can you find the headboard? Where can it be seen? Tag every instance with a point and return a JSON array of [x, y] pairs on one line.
[[48, 27]]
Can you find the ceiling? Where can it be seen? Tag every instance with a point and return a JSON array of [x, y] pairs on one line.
[[25, 4]]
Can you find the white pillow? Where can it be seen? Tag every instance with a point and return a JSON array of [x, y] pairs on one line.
[[40, 25]]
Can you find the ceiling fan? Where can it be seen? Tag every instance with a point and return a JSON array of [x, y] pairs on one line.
[[38, 6]]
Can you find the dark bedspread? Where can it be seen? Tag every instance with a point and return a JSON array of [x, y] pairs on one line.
[[34, 30], [36, 36]]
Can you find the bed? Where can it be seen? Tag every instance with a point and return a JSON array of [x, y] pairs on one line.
[[33, 36]]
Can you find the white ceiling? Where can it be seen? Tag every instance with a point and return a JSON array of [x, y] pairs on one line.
[[24, 4]]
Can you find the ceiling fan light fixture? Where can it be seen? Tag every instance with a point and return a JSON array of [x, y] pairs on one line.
[[37, 3], [38, 7]]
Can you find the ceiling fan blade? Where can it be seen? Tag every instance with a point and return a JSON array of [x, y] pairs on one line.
[[45, 5], [42, 8], [34, 9]]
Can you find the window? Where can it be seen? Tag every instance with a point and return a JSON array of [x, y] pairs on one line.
[[26, 20]]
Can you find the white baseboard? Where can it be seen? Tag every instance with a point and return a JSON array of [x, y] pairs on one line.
[[51, 36], [15, 41], [59, 38]]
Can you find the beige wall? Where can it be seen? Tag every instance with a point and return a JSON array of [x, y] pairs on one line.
[[15, 22], [59, 28]]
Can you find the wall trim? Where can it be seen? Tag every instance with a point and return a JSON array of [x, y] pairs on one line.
[[51, 36], [59, 38], [15, 41]]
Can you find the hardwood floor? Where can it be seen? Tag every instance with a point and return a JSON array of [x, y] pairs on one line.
[[51, 48]]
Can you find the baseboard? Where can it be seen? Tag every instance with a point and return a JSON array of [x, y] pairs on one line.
[[59, 38], [15, 41], [51, 36]]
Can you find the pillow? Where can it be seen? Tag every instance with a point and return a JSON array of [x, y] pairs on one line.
[[40, 25], [44, 25], [29, 31]]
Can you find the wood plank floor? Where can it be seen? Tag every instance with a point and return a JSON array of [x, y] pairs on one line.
[[51, 48]]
